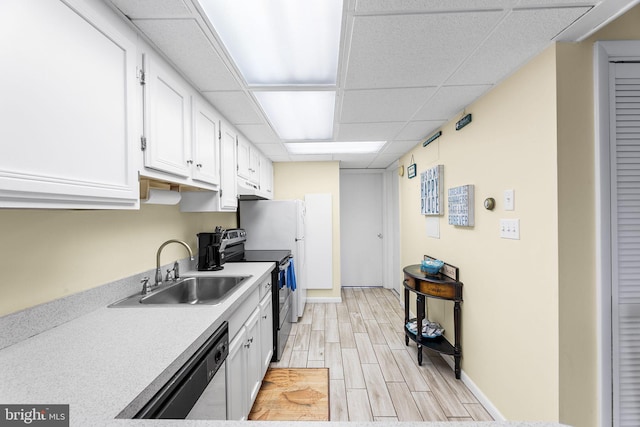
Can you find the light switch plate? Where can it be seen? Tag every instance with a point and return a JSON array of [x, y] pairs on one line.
[[510, 229], [509, 200]]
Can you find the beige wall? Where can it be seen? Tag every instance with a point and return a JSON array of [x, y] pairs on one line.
[[293, 181], [48, 254], [510, 309]]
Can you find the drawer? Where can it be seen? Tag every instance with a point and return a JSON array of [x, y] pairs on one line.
[[265, 287]]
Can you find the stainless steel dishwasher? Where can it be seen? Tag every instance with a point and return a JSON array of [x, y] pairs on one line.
[[198, 390]]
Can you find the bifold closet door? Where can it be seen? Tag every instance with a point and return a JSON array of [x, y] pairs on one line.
[[625, 218]]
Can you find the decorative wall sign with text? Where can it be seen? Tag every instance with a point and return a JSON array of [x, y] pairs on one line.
[[432, 191], [460, 205], [412, 169]]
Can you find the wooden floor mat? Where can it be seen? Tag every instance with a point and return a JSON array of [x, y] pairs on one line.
[[289, 394]]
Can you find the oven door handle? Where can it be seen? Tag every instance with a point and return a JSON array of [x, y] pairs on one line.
[[285, 266]]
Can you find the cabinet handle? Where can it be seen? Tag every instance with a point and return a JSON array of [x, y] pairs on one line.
[[199, 165], [189, 162], [264, 317]]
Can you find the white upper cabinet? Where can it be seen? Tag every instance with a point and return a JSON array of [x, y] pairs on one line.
[[248, 161], [206, 143], [168, 120], [68, 108], [228, 161], [266, 178], [244, 158]]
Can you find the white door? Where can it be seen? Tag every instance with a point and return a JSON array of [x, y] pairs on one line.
[[361, 227], [625, 234]]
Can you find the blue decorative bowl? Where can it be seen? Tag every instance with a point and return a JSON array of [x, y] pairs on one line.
[[431, 266]]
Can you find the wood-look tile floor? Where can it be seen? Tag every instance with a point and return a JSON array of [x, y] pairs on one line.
[[373, 375]]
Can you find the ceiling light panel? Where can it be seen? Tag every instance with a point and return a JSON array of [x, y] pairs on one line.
[[299, 115], [280, 42], [357, 147]]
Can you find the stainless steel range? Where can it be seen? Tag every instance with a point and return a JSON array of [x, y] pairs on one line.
[[224, 246]]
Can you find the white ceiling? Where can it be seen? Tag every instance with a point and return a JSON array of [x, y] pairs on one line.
[[406, 66]]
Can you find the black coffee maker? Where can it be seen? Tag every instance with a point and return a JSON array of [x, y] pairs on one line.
[[211, 250]]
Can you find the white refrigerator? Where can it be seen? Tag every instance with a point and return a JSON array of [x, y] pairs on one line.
[[278, 224]]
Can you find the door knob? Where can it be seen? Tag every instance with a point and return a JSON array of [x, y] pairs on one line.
[[379, 235]]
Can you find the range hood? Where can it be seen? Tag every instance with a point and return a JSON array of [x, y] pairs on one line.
[[248, 190]]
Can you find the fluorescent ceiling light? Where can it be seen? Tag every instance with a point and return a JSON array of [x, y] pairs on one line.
[[280, 42], [359, 147], [299, 115]]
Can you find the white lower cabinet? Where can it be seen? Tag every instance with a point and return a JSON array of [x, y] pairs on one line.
[[236, 378], [254, 357], [248, 352], [266, 332]]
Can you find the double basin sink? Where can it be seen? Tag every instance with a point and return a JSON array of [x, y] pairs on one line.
[[209, 290]]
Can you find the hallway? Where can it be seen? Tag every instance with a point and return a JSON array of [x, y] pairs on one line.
[[373, 375]]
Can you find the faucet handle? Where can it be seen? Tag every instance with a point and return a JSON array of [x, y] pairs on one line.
[[145, 285], [176, 270]]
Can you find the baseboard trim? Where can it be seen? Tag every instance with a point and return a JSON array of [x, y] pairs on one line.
[[475, 390], [324, 300]]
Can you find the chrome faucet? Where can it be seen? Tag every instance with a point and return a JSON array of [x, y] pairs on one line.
[[175, 265]]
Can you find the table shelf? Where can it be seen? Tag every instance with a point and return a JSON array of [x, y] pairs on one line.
[[425, 286]]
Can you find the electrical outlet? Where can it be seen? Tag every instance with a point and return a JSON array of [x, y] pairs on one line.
[[510, 229]]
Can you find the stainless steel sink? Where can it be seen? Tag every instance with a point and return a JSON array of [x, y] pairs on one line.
[[209, 290]]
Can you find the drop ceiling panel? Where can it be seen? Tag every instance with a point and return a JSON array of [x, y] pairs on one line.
[[368, 131], [383, 161], [259, 133], [379, 6], [237, 107], [449, 101], [399, 147], [522, 35], [385, 105], [272, 149], [419, 129], [141, 9], [185, 44], [366, 158], [412, 50]]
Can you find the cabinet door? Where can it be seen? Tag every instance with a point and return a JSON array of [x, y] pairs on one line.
[[266, 178], [68, 86], [228, 190], [254, 166], [254, 356], [244, 158], [266, 332], [168, 113], [206, 145], [237, 393]]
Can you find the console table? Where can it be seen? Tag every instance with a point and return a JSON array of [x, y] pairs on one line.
[[437, 286]]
